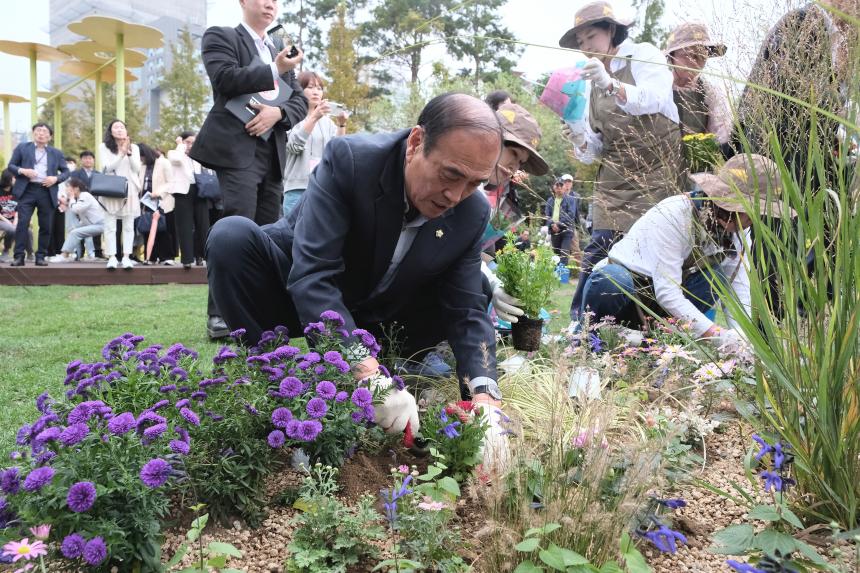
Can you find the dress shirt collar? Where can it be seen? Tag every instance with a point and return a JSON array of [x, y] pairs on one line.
[[266, 40]]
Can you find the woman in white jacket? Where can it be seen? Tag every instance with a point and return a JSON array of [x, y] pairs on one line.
[[119, 156], [192, 212]]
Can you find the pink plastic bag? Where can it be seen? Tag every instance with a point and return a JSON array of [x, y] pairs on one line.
[[565, 93]]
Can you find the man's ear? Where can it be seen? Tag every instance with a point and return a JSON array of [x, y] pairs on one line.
[[414, 142]]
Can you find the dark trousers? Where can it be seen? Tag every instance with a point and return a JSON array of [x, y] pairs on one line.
[[561, 243], [35, 197], [58, 233], [192, 225], [254, 193], [597, 250], [164, 247]]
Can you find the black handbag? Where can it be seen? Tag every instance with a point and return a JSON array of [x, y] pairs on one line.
[[112, 186], [144, 223], [207, 185]]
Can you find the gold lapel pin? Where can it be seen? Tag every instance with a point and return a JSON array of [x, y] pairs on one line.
[[439, 233]]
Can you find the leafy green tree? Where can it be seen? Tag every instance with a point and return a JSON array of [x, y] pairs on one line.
[[185, 89], [649, 14], [72, 136], [305, 21], [400, 30], [474, 34], [135, 115], [344, 70]]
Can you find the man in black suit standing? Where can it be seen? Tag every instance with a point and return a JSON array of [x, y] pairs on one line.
[[389, 229], [38, 169], [250, 169]]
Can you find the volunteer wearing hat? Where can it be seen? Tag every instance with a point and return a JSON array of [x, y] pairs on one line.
[[631, 127], [672, 256], [521, 138], [702, 108]]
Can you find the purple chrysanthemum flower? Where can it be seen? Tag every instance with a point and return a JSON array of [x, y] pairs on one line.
[[290, 387], [159, 405], [73, 366], [285, 352], [179, 447], [316, 408], [212, 381], [238, 334], [38, 478], [155, 473], [74, 434], [121, 424], [190, 416], [22, 438], [369, 413], [314, 327], [10, 482], [182, 433], [326, 390], [294, 429], [281, 417], [310, 430], [167, 388], [80, 413], [357, 416], [47, 435], [332, 356], [319, 369], [251, 409], [362, 397], [276, 439], [199, 395], [179, 374], [43, 403], [342, 366], [73, 546], [81, 496], [341, 396], [45, 457], [312, 357], [153, 432], [148, 418], [213, 416], [95, 551], [398, 382], [332, 316]]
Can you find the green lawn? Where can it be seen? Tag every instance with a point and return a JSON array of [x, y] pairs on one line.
[[47, 327]]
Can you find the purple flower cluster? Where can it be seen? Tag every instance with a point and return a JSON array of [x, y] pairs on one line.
[[390, 497], [367, 340], [276, 439], [38, 478], [121, 424], [316, 408], [664, 538], [10, 481], [281, 417], [81, 496], [155, 473], [291, 387], [775, 478], [190, 416], [74, 434]]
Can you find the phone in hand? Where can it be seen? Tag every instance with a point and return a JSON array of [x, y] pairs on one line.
[[336, 109], [279, 32]]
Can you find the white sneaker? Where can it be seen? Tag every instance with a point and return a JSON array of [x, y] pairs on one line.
[[169, 262], [112, 263], [59, 259], [127, 263]]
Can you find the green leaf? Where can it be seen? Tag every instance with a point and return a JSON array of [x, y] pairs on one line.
[[791, 518], [733, 540], [611, 567], [528, 567], [192, 535], [450, 485], [809, 552], [770, 541], [200, 522], [217, 562], [556, 557], [432, 472], [634, 560], [527, 545], [549, 528], [177, 557], [764, 513], [224, 549]]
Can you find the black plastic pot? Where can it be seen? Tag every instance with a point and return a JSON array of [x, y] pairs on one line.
[[526, 333]]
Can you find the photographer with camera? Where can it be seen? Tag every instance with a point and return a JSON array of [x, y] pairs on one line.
[[308, 138]]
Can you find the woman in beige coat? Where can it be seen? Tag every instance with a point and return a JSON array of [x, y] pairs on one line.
[[155, 180], [119, 156]]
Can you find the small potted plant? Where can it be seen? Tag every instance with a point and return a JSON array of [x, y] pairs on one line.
[[529, 276]]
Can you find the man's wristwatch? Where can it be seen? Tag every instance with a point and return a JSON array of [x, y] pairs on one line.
[[490, 388]]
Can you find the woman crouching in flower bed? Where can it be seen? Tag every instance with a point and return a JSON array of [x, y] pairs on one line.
[[147, 423]]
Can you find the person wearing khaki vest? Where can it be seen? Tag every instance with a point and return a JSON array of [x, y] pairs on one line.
[[631, 128], [702, 107]]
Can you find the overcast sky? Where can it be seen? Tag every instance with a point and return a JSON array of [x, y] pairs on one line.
[[739, 23]]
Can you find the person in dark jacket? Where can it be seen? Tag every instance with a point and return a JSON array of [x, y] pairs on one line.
[[560, 213]]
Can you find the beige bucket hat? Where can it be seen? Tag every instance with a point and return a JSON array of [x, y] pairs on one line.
[[588, 15], [521, 128], [693, 34], [745, 180]]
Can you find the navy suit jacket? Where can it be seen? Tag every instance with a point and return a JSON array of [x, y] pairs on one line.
[[24, 157], [228, 54], [81, 174], [567, 211], [342, 234]]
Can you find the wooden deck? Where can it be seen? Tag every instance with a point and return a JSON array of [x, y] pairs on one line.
[[95, 273]]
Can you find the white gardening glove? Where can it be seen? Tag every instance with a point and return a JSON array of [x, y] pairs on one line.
[[595, 71], [398, 409], [496, 449], [574, 132], [729, 340], [507, 307]]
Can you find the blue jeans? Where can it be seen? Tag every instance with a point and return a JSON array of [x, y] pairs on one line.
[[597, 250], [291, 197], [613, 290]]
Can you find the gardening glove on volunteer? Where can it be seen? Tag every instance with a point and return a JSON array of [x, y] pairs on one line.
[[397, 410], [574, 132], [595, 71], [729, 340], [507, 307], [496, 449]]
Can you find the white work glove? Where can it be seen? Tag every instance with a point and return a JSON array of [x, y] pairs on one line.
[[574, 132], [507, 307], [398, 409], [595, 71], [496, 449], [730, 341]]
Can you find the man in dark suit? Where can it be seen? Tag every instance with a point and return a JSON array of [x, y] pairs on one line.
[[560, 211], [250, 169], [38, 169], [389, 229]]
